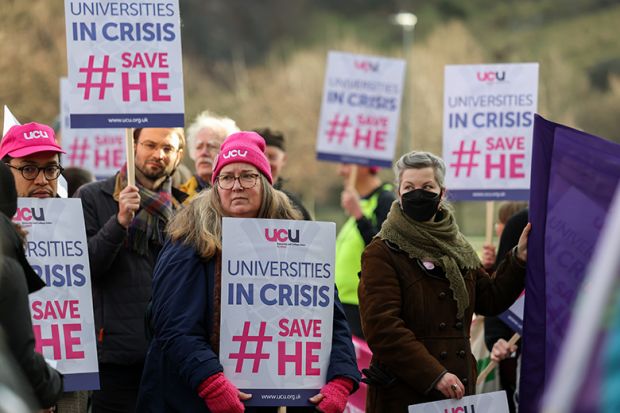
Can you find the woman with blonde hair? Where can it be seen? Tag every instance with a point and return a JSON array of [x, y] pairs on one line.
[[182, 372]]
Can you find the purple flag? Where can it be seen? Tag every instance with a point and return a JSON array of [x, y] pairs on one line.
[[574, 178]]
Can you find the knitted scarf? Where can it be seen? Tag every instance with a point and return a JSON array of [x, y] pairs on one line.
[[156, 208], [439, 241]]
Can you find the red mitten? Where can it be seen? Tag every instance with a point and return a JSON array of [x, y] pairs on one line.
[[220, 395], [335, 394]]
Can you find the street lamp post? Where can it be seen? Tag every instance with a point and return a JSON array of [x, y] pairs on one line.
[[407, 22]]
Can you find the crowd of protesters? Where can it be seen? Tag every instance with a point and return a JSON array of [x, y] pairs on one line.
[[155, 251]]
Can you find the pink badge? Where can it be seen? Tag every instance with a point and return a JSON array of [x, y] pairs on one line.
[[428, 265]]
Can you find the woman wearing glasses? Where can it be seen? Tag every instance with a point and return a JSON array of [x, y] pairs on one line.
[[182, 371]]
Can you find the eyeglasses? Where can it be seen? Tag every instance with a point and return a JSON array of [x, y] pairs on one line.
[[152, 146], [30, 172], [246, 181]]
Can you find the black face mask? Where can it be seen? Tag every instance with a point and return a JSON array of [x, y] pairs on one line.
[[420, 205]]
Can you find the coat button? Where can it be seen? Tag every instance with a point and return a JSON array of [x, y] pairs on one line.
[[442, 295], [458, 325], [464, 381], [443, 355], [461, 354], [442, 326]]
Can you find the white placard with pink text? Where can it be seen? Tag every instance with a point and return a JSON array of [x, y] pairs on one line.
[[487, 130], [101, 151], [277, 308], [125, 66], [360, 109], [493, 402], [62, 312]]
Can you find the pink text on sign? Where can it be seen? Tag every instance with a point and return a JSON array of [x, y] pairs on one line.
[[55, 309], [505, 143], [109, 157], [297, 356], [65, 336], [505, 165], [370, 138], [299, 328], [145, 60], [141, 85]]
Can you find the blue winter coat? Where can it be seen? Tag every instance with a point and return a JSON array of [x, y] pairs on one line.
[[180, 356]]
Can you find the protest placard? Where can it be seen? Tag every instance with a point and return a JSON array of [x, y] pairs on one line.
[[487, 130], [277, 308], [492, 402], [360, 109], [125, 66], [62, 312], [513, 317], [101, 151]]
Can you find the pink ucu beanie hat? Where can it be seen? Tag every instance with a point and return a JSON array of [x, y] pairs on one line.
[[246, 147], [24, 140]]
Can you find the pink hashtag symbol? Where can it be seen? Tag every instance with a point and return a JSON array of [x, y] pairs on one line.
[[461, 153], [89, 70], [243, 355], [338, 128], [78, 152]]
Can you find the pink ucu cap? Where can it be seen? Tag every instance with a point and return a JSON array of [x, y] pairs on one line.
[[24, 140], [246, 147]]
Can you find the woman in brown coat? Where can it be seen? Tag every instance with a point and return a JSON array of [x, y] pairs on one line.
[[421, 282]]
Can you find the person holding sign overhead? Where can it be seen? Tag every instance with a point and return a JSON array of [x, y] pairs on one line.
[[182, 371], [125, 228], [421, 282]]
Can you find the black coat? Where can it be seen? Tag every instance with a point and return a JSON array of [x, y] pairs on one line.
[[121, 277], [15, 318], [180, 356]]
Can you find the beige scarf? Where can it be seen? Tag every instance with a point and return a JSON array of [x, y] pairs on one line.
[[439, 241]]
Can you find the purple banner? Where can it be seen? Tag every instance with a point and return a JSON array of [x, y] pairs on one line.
[[574, 177]]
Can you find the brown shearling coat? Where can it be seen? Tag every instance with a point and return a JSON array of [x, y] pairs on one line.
[[409, 320]]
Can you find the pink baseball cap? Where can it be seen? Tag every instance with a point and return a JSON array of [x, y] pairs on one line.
[[247, 147], [24, 140]]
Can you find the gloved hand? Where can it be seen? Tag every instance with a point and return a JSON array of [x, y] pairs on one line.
[[220, 395], [333, 396]]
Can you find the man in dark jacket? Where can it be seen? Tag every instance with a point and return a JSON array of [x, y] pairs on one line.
[[124, 225], [276, 154], [17, 280]]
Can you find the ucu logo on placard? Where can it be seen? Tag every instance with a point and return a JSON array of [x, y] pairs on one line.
[[35, 134], [491, 76], [461, 409], [366, 66], [282, 235], [233, 153], [28, 214]]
